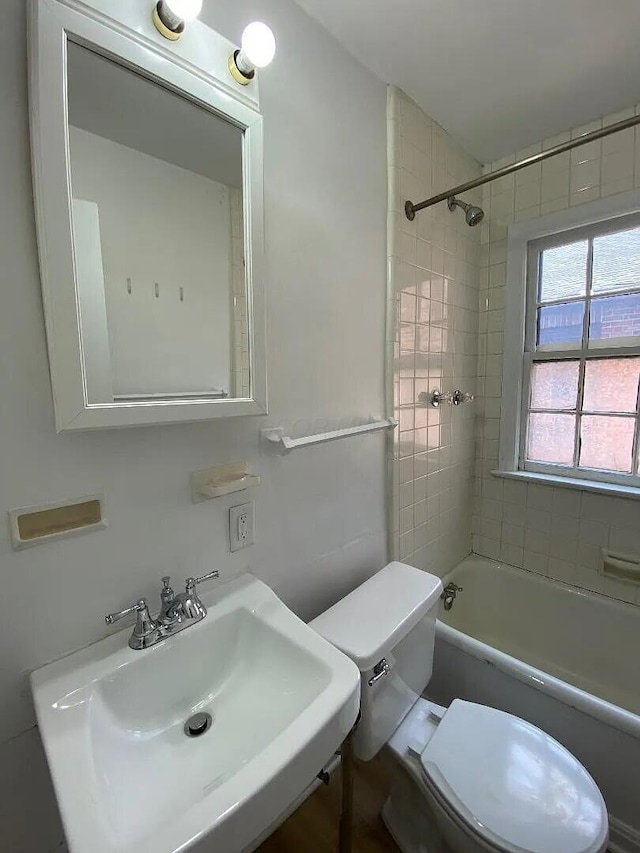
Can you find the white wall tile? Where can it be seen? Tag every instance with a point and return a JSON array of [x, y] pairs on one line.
[[564, 526], [566, 502], [563, 530], [624, 540], [536, 562], [437, 332]]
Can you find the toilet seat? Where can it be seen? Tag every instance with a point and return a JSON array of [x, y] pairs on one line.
[[511, 785]]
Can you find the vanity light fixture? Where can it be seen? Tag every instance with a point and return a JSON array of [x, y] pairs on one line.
[[170, 16], [258, 49]]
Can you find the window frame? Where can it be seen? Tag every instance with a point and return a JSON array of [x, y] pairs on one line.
[[525, 242]]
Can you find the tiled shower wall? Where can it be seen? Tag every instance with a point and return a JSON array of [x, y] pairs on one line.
[[557, 532], [433, 341]]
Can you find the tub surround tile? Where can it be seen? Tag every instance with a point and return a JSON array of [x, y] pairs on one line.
[[564, 526], [624, 540], [567, 502], [538, 520], [618, 589], [624, 513], [434, 278], [515, 493], [447, 296], [534, 562], [536, 541], [563, 530], [512, 555], [513, 514], [593, 532], [588, 556], [512, 535], [564, 548]]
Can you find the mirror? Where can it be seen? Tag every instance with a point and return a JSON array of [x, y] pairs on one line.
[[156, 172], [156, 186]]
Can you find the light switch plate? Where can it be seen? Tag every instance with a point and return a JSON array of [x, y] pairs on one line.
[[241, 526]]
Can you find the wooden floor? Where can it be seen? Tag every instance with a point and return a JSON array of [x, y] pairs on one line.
[[313, 828]]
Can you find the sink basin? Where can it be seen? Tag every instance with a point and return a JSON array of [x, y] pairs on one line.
[[127, 775]]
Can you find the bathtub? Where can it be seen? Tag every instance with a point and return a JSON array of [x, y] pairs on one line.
[[564, 659]]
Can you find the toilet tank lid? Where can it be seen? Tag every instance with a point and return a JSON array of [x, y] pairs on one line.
[[372, 619]]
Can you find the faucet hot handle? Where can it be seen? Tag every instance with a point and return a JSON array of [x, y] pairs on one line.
[[138, 607], [191, 582], [145, 628]]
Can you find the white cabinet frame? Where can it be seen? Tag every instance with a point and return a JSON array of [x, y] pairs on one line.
[[194, 67]]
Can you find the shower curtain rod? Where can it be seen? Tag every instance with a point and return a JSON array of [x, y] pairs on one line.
[[411, 209]]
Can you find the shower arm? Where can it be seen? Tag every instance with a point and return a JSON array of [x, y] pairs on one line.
[[411, 209], [454, 202]]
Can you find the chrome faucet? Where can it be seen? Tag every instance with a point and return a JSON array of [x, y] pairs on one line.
[[177, 612], [449, 594], [187, 605]]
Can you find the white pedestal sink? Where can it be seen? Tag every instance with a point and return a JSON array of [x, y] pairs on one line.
[[126, 775]]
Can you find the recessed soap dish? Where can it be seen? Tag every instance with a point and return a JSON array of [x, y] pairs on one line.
[[223, 480], [36, 525], [622, 567]]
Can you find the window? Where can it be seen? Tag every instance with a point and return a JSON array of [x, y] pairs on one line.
[[580, 413]]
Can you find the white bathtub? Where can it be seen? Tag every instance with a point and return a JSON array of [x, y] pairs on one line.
[[566, 660]]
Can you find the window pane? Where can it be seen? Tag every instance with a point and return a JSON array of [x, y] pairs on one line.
[[606, 443], [611, 385], [563, 272], [614, 317], [554, 385], [560, 324], [616, 261], [550, 438]]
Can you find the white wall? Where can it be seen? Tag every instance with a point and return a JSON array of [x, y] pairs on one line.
[[556, 532], [433, 334], [320, 512], [159, 224]]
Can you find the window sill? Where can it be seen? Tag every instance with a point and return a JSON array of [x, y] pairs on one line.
[[613, 489]]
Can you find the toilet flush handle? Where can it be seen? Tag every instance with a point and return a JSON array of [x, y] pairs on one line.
[[381, 669]]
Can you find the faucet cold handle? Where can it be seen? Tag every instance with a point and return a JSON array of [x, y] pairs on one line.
[[191, 582]]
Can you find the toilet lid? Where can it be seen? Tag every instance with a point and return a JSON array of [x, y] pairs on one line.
[[516, 786]]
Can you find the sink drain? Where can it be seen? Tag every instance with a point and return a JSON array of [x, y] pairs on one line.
[[198, 725]]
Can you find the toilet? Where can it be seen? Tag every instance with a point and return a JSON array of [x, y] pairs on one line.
[[466, 778]]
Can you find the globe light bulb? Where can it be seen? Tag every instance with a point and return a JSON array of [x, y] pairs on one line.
[[258, 43], [186, 10]]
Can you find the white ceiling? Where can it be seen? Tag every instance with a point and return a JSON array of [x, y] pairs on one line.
[[498, 75]]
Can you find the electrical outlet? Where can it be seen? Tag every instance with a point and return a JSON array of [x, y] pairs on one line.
[[241, 526]]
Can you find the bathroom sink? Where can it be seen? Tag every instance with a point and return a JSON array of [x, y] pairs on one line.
[[131, 774]]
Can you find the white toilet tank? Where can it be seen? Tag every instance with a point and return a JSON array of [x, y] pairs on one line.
[[387, 626]]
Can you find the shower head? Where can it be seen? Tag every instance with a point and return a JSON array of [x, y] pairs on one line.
[[472, 214]]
